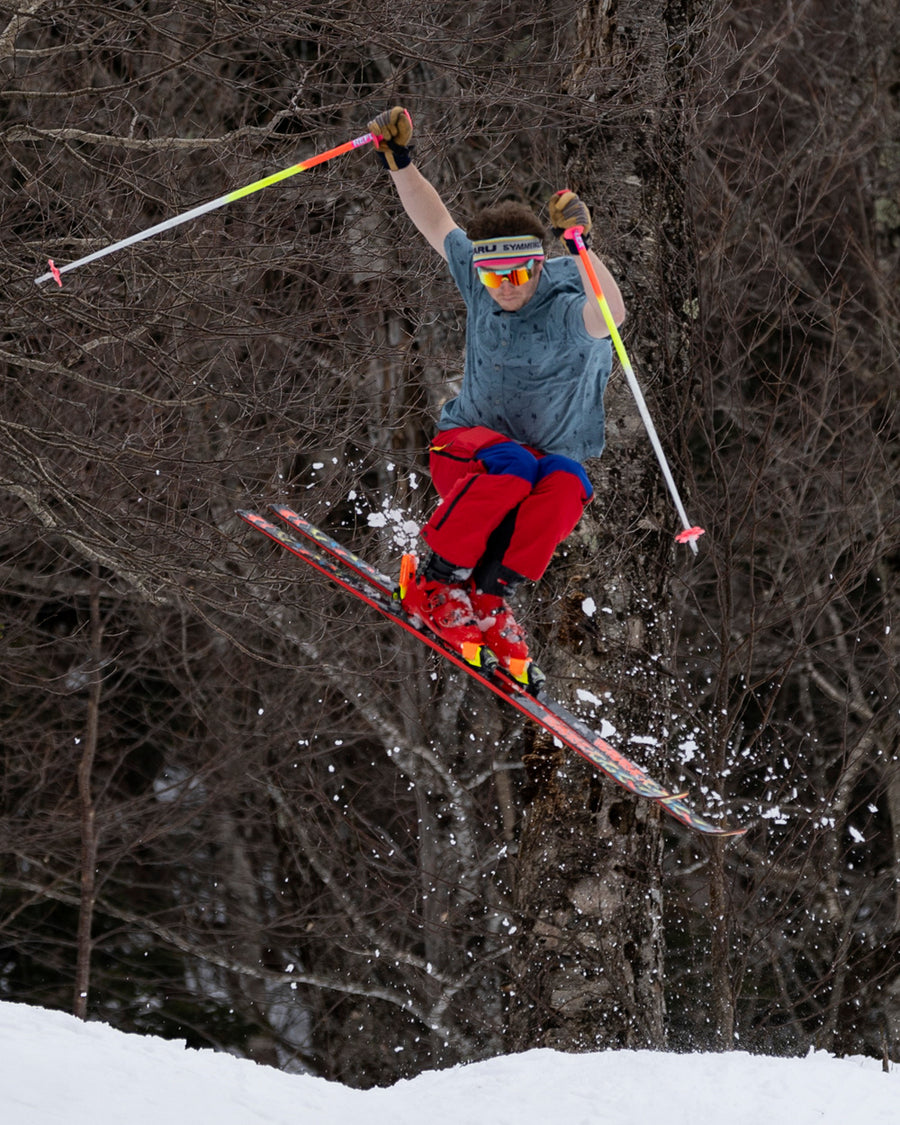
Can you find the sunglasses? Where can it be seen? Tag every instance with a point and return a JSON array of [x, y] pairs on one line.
[[493, 279]]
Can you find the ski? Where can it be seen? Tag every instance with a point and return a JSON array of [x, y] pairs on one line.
[[360, 578]]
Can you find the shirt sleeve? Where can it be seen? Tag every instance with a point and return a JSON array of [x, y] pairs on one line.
[[459, 251]]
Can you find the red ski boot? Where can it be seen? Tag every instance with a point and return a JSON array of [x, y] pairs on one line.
[[445, 609], [505, 637]]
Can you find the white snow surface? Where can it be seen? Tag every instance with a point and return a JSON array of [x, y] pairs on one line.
[[56, 1070]]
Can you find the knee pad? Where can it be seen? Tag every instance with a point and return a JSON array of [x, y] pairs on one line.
[[511, 459], [556, 463]]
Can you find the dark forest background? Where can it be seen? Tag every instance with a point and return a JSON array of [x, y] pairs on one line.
[[238, 809]]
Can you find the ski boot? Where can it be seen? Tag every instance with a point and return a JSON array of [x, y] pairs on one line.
[[505, 637], [444, 608]]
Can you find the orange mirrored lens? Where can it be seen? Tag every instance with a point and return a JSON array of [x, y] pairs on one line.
[[493, 279]]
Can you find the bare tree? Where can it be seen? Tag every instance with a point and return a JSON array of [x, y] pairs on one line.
[[308, 840], [795, 666]]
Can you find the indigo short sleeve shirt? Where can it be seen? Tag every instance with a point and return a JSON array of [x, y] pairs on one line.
[[535, 375]]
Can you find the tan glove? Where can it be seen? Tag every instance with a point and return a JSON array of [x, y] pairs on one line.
[[567, 211], [394, 127]]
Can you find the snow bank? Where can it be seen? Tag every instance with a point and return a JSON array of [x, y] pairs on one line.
[[55, 1070]]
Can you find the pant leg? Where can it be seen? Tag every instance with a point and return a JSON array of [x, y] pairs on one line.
[[547, 515], [481, 476]]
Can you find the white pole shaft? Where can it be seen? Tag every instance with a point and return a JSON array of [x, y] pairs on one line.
[[139, 237], [690, 533], [55, 272]]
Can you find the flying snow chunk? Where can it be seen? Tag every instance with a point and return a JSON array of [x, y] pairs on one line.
[[589, 607]]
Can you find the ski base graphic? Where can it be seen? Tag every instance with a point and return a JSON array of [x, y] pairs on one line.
[[358, 577]]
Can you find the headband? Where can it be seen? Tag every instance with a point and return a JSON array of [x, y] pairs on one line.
[[506, 253]]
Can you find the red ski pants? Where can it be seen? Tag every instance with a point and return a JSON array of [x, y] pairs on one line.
[[485, 479]]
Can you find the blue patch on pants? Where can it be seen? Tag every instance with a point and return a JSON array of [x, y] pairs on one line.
[[556, 463], [512, 459]]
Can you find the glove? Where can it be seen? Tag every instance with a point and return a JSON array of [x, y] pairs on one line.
[[567, 211], [394, 127]]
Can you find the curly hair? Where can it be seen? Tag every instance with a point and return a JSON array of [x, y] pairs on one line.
[[504, 220]]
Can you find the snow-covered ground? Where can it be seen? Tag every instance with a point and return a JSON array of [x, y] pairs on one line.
[[55, 1070]]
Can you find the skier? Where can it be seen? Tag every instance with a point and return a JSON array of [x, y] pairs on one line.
[[506, 460]]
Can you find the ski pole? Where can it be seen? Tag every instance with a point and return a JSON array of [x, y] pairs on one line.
[[55, 271], [689, 534]]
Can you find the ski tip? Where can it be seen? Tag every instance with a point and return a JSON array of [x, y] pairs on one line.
[[253, 518], [674, 804], [727, 833]]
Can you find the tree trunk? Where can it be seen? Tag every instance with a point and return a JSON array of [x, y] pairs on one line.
[[84, 938], [590, 970]]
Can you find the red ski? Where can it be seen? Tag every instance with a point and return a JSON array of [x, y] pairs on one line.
[[365, 582]]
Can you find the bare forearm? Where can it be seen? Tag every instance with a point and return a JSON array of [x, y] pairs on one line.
[[424, 206], [594, 320]]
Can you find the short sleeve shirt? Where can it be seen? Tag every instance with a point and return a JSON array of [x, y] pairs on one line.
[[535, 375]]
